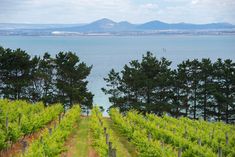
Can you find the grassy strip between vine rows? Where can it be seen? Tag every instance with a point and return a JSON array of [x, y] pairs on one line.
[[52, 144]]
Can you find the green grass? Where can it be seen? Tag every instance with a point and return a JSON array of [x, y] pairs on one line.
[[124, 148], [78, 146]]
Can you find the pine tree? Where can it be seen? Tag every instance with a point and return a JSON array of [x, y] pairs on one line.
[[15, 73], [71, 80], [225, 92]]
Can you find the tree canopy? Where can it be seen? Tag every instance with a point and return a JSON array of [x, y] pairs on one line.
[[60, 79], [196, 89]]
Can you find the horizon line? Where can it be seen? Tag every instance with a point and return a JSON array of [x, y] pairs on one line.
[[28, 23]]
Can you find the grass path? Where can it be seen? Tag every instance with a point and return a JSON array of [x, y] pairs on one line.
[[78, 144], [124, 148]]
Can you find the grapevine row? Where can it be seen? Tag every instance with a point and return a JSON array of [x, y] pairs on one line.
[[51, 143], [178, 134], [199, 132], [145, 145], [103, 141], [19, 118]]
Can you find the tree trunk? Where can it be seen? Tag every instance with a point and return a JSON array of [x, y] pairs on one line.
[[205, 106], [70, 101], [205, 101], [227, 104], [195, 103], [219, 111]]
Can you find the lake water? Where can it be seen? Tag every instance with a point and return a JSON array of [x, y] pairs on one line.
[[106, 52]]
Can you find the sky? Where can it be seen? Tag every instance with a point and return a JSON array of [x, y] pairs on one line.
[[135, 11]]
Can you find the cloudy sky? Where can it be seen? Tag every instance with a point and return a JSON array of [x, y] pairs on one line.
[[135, 11]]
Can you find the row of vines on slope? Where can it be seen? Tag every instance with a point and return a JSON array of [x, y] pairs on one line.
[[51, 143], [168, 137], [191, 138], [103, 141], [213, 135], [19, 118], [145, 145]]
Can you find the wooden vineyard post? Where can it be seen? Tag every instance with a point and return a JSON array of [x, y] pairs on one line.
[[59, 118], [226, 136], [19, 119], [50, 131], [24, 146], [7, 123], [149, 136], [220, 152], [101, 123], [107, 138], [180, 152], [110, 149], [199, 141], [41, 139], [62, 115], [213, 132], [55, 125], [185, 132], [113, 152], [105, 130]]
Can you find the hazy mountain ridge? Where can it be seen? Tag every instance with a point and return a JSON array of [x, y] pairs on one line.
[[106, 25], [111, 27]]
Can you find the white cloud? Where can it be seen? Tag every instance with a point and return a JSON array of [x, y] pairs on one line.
[[195, 2], [149, 6], [80, 11]]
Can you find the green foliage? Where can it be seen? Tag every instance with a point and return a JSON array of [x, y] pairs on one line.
[[98, 135], [138, 135], [47, 79], [52, 145], [196, 89], [178, 133], [70, 80], [15, 73], [23, 118]]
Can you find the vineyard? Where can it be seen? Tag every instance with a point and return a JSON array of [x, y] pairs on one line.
[[19, 118], [54, 132], [155, 136]]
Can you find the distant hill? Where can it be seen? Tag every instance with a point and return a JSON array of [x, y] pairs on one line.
[[158, 25], [103, 25], [107, 26]]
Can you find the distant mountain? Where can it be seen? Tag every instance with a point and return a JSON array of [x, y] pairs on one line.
[[103, 25], [108, 27], [158, 25]]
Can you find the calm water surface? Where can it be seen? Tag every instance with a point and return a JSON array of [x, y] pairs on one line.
[[106, 52]]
